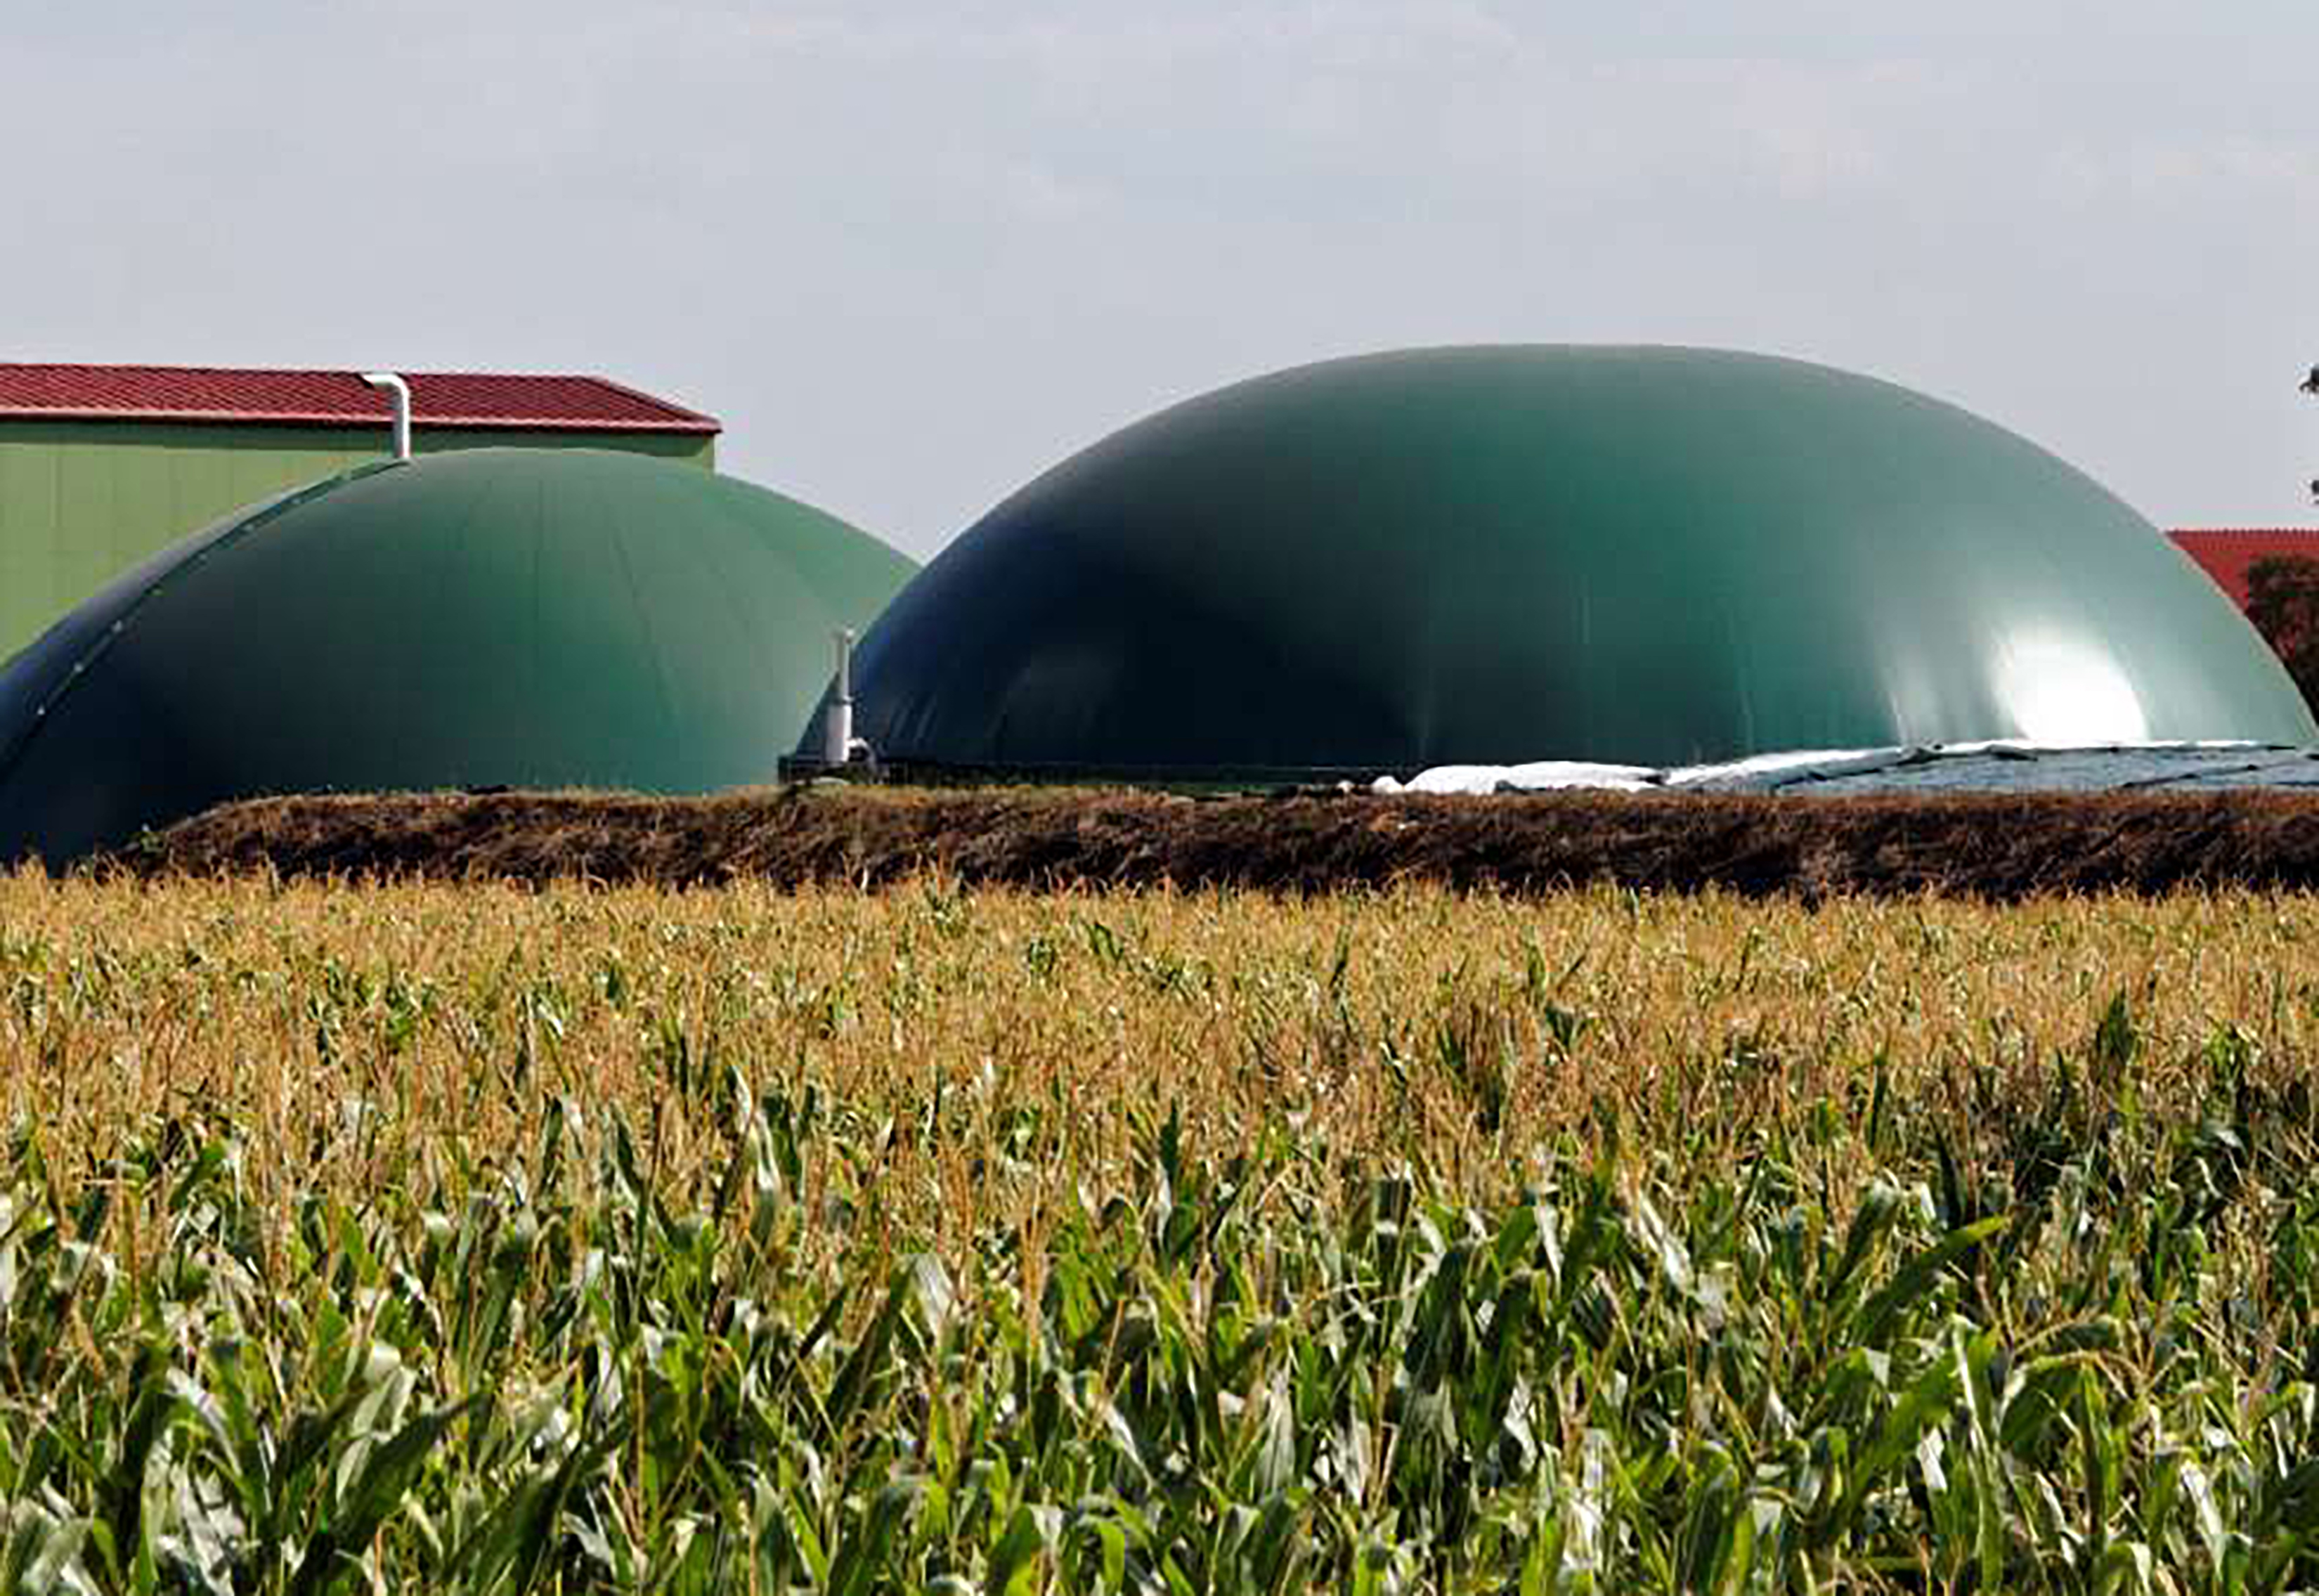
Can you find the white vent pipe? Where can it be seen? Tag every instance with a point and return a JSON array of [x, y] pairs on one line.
[[399, 390], [838, 742]]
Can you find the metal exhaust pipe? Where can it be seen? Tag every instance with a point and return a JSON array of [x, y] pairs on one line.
[[838, 742], [399, 390]]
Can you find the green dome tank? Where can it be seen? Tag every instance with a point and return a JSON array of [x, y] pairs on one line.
[[1644, 555], [484, 618]]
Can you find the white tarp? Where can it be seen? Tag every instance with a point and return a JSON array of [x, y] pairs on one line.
[[1546, 775], [1760, 771]]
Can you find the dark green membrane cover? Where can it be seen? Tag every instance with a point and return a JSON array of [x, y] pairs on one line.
[[1649, 556], [488, 618]]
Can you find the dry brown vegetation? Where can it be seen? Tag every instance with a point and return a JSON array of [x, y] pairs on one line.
[[2000, 847], [1459, 1030]]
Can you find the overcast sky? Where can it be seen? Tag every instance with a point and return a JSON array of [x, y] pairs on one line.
[[915, 252]]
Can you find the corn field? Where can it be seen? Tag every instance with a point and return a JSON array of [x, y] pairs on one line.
[[485, 1239]]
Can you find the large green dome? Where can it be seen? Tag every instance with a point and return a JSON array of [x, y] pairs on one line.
[[493, 617], [1640, 554]]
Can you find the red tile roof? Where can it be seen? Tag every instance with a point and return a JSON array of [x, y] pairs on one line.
[[334, 399], [2225, 552]]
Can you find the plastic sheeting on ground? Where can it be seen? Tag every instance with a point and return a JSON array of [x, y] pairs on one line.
[[2003, 766]]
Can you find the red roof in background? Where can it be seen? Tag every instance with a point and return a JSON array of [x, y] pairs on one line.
[[2224, 553], [334, 399]]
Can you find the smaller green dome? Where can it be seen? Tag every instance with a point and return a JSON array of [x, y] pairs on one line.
[[522, 617]]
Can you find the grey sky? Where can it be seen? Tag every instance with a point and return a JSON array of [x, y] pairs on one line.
[[914, 253]]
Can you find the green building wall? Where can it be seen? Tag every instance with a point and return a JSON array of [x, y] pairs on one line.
[[81, 501]]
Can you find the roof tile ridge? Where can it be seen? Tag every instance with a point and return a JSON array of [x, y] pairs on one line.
[[225, 371], [493, 376], [637, 394]]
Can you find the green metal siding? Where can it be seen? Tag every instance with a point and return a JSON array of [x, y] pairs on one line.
[[81, 501]]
